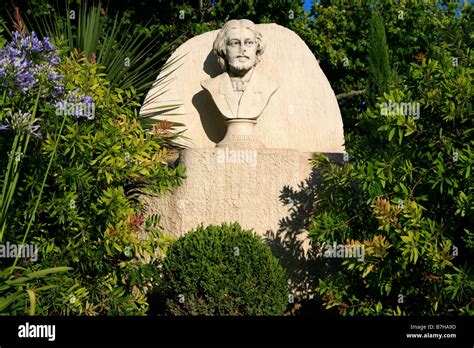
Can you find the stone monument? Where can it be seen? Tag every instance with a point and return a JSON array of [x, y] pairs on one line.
[[253, 105]]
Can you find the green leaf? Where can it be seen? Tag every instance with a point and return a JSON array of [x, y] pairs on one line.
[[367, 270], [415, 254], [44, 272], [406, 239], [4, 303], [391, 134], [38, 274], [404, 188], [400, 136], [378, 307]]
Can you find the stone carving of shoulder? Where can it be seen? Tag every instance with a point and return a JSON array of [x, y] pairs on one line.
[[214, 83]]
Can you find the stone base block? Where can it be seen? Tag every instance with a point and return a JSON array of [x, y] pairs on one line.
[[232, 184]]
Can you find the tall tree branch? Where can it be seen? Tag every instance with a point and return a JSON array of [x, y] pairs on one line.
[[350, 94]]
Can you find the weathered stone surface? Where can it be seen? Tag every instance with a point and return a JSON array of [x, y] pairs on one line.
[[227, 185], [303, 113]]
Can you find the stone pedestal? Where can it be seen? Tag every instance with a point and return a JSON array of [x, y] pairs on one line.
[[241, 134], [232, 184]]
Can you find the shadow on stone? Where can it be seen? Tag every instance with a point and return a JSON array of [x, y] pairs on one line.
[[210, 65], [211, 121], [291, 246]]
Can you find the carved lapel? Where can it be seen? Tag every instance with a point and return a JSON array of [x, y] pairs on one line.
[[226, 89], [250, 105]]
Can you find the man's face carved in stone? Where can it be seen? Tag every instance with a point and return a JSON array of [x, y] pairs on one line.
[[241, 49]]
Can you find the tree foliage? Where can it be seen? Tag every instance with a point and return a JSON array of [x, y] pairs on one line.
[[406, 196], [379, 70]]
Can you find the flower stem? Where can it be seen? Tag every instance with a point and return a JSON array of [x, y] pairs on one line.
[[33, 214], [3, 201], [13, 168]]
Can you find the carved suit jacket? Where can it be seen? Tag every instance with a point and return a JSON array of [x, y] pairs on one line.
[[249, 104]]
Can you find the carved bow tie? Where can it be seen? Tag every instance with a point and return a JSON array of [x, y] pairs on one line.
[[238, 85]]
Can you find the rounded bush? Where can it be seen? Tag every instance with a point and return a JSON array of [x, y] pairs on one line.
[[222, 270]]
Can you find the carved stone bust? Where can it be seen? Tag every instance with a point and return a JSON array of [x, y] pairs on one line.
[[303, 113], [240, 93]]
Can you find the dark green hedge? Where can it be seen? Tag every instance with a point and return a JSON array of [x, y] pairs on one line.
[[222, 270]]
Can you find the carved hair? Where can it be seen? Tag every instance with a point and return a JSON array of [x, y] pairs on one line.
[[220, 44]]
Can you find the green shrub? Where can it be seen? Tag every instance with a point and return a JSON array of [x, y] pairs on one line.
[[406, 195], [91, 207], [89, 218], [222, 270]]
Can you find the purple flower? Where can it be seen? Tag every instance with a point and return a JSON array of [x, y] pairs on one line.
[[55, 60], [58, 90], [33, 128], [22, 121], [76, 105], [26, 61], [28, 64]]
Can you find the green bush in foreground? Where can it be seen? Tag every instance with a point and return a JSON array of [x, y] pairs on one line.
[[222, 270]]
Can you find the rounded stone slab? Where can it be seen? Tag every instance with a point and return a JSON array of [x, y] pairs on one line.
[[303, 114]]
